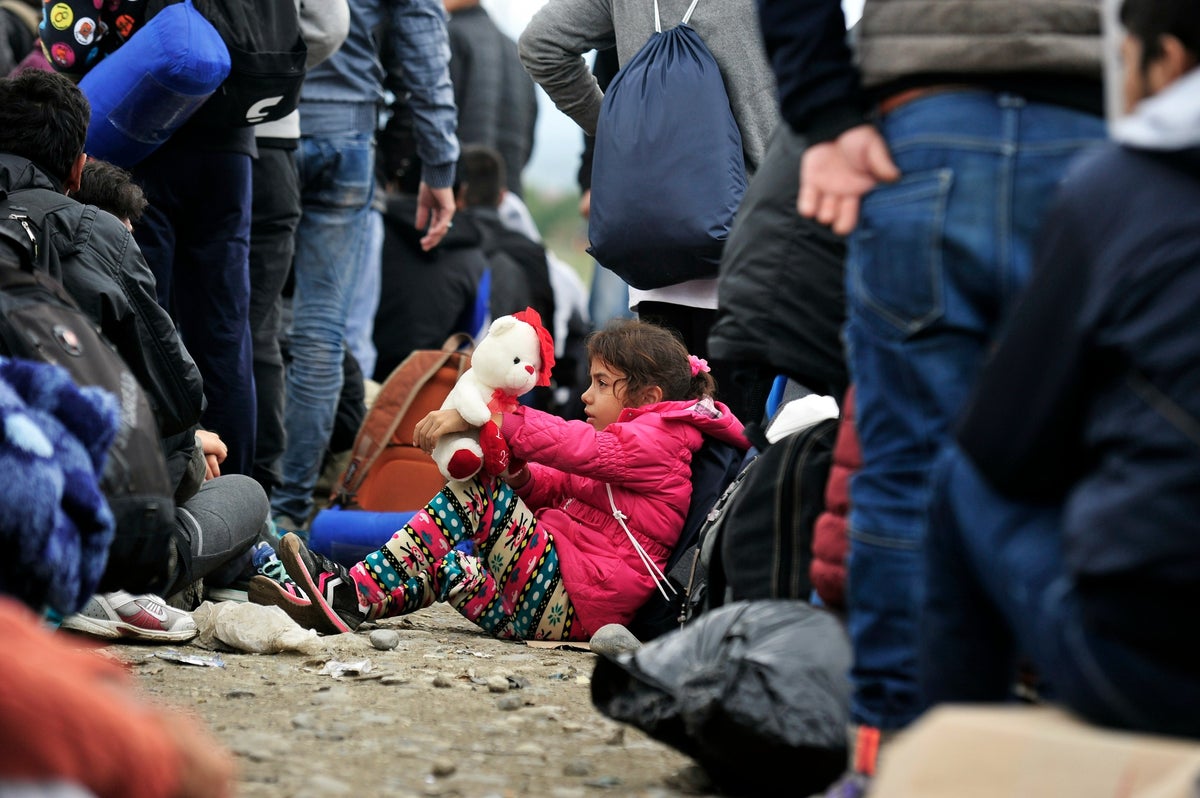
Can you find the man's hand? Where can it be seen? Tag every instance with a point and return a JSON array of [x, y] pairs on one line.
[[435, 209], [436, 424], [215, 452], [835, 175], [585, 204]]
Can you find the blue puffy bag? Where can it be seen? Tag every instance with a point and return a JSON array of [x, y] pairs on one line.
[[348, 536], [669, 171], [144, 91]]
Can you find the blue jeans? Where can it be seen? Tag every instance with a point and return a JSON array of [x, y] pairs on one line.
[[336, 184], [364, 297], [936, 260], [998, 586]]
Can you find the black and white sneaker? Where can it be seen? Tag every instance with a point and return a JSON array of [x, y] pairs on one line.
[[333, 598]]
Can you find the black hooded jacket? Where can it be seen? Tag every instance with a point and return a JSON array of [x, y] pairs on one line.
[[425, 297]]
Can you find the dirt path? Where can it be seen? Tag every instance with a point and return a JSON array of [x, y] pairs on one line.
[[448, 712]]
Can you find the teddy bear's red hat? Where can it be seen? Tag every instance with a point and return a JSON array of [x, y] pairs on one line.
[[545, 341]]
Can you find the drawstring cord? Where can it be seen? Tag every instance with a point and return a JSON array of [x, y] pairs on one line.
[[657, 575], [686, 16]]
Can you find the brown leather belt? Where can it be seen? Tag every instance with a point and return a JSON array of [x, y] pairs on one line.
[[894, 101]]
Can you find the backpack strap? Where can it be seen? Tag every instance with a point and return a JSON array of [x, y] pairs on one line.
[[389, 409], [458, 341], [687, 15], [22, 225]]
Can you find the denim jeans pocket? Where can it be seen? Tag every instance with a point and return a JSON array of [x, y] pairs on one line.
[[336, 172], [894, 272]]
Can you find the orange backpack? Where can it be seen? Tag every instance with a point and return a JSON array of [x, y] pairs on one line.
[[386, 473]]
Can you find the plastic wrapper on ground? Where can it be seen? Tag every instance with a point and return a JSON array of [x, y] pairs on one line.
[[252, 628]]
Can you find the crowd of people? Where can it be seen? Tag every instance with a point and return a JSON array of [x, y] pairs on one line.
[[937, 224]]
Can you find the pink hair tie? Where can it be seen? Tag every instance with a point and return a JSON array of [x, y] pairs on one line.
[[699, 364]]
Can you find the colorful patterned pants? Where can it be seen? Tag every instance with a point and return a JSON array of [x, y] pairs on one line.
[[477, 547]]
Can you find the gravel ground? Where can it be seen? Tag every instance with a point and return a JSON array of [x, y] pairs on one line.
[[447, 712]]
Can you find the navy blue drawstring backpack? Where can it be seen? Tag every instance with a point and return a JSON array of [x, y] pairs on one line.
[[668, 172]]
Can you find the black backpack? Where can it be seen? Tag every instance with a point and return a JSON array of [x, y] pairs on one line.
[[757, 541], [714, 466], [40, 321], [267, 58]]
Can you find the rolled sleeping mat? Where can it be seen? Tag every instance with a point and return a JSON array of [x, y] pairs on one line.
[[145, 90], [348, 536]]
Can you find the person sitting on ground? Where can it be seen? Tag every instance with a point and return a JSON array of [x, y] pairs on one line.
[[110, 188], [573, 540], [1064, 521], [43, 126], [220, 516]]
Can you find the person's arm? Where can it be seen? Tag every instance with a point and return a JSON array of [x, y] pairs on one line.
[[818, 85], [324, 25], [175, 379], [552, 48], [419, 41], [820, 98], [617, 454], [429, 430], [604, 69]]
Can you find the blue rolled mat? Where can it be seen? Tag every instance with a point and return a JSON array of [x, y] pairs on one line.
[[147, 89], [348, 536]]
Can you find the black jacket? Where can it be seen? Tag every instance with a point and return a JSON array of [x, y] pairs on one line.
[[781, 299], [95, 258], [513, 289], [425, 297]]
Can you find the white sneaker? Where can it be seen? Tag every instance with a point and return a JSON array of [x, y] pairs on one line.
[[123, 615]]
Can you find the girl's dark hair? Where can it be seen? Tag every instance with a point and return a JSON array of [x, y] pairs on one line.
[[649, 355], [1149, 20]]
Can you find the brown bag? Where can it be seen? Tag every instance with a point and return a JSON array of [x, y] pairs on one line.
[[386, 473]]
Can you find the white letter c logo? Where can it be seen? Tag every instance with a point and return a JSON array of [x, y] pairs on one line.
[[258, 111]]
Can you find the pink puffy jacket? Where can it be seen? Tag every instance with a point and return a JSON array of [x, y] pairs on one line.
[[645, 456]]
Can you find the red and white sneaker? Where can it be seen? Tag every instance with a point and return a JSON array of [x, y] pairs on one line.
[[122, 615]]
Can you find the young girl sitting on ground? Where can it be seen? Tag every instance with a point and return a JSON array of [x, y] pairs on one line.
[[558, 547]]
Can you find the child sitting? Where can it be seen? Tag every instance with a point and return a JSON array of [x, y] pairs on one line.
[[554, 549]]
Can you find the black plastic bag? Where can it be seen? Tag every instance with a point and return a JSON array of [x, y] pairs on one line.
[[756, 692]]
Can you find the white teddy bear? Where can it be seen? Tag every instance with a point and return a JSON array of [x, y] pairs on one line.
[[514, 356]]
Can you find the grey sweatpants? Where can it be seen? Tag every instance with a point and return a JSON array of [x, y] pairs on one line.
[[218, 525]]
